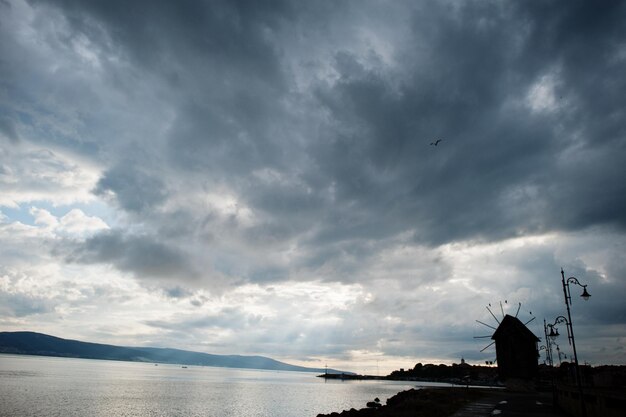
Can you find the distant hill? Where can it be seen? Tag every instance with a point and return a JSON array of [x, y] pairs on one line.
[[31, 343]]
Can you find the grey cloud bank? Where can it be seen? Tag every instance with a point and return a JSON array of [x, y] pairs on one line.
[[236, 146]]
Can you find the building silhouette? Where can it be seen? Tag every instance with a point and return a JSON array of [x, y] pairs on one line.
[[516, 349]]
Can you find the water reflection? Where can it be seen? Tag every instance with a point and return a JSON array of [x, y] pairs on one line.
[[41, 386]]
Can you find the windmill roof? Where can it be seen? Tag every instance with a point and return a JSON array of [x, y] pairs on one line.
[[513, 326]]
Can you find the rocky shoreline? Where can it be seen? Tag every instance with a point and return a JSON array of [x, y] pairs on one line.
[[425, 402]]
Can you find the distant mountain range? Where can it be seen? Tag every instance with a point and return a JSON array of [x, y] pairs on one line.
[[31, 343]]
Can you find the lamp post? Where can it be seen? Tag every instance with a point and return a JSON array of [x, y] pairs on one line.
[[554, 331], [548, 346], [570, 330]]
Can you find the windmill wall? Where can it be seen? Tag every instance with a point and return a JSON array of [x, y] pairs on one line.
[[516, 349]]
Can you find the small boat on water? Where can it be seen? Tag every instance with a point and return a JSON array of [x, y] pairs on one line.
[[184, 367]]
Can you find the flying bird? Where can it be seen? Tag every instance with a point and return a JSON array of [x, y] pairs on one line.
[[435, 142]]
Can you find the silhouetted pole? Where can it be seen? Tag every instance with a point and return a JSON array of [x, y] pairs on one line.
[[548, 344], [568, 301]]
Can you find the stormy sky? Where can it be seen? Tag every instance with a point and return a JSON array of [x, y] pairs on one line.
[[243, 177]]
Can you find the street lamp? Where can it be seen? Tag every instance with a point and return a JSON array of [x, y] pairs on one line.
[[548, 344], [570, 330], [554, 331]]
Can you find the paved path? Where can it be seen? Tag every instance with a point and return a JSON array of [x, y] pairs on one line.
[[512, 404]]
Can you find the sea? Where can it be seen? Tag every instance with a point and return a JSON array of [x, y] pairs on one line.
[[47, 386]]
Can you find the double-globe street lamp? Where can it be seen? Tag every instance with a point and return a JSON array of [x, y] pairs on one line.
[[568, 302], [570, 330], [548, 345], [554, 333], [545, 347]]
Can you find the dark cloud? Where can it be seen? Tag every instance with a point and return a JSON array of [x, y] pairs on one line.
[[236, 34], [474, 63], [24, 305], [366, 171], [143, 255], [177, 292], [8, 130], [134, 189], [501, 170], [229, 318]]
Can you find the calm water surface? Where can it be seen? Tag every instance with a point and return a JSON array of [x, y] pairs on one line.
[[42, 386]]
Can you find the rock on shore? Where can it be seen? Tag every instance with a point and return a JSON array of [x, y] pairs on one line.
[[426, 402]]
